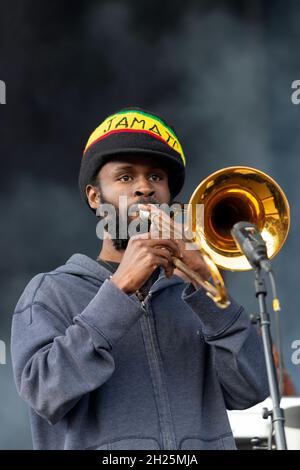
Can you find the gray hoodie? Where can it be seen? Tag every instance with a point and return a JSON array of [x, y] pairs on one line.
[[101, 370]]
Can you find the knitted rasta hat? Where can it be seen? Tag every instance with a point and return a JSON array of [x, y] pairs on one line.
[[133, 131]]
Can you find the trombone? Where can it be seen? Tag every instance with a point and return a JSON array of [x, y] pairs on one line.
[[228, 196]]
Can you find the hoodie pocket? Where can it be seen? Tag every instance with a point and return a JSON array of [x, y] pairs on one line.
[[137, 443], [222, 443]]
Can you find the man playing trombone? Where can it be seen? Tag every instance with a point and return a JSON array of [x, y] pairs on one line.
[[123, 351]]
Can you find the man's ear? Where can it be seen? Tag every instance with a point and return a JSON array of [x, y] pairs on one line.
[[93, 196]]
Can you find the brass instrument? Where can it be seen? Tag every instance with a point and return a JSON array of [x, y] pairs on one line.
[[231, 195]]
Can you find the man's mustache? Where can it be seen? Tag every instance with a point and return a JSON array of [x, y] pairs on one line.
[[134, 208]]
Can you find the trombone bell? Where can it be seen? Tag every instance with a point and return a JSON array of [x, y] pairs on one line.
[[232, 195]]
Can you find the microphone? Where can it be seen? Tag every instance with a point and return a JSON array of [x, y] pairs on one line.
[[251, 243]]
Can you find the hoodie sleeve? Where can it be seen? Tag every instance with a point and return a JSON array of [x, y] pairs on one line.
[[237, 349], [55, 362]]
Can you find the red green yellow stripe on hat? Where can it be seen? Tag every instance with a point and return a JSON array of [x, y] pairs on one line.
[[136, 121]]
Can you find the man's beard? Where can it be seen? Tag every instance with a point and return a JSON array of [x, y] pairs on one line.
[[120, 244]]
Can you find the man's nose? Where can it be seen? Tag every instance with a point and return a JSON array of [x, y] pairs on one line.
[[144, 188]]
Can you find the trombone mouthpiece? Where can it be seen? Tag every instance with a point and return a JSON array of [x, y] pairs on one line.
[[144, 215]]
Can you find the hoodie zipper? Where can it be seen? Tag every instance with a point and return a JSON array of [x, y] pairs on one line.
[[143, 299], [168, 435]]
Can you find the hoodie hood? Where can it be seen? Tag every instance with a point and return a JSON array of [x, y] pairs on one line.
[[84, 266]]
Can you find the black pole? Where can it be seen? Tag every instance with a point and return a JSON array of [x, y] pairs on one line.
[[277, 413]]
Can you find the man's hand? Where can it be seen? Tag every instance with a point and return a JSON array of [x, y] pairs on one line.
[[142, 256], [164, 227]]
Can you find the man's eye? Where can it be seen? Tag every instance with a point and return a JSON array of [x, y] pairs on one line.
[[124, 178], [155, 177]]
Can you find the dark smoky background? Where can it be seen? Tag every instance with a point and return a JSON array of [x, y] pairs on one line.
[[219, 71]]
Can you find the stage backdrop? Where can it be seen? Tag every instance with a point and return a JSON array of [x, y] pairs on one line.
[[220, 71]]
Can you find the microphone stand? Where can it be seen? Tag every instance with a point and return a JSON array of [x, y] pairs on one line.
[[277, 413]]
